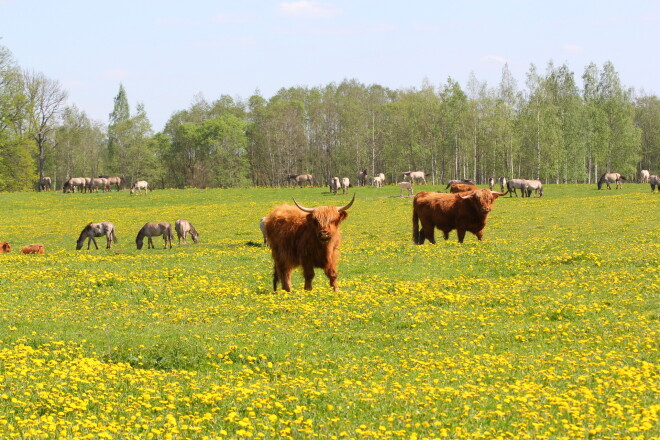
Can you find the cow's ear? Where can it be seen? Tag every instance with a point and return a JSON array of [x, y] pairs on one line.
[[342, 216]]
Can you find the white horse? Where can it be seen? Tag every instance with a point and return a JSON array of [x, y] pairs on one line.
[[534, 185], [335, 184], [345, 184], [415, 175], [379, 180], [183, 228], [502, 182], [645, 176], [139, 186]]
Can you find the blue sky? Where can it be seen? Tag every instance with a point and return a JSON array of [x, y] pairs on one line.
[[166, 52]]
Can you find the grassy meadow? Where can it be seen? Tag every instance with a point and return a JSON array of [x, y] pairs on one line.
[[548, 329]]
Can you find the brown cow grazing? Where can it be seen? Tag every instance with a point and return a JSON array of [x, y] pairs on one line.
[[33, 249], [463, 212], [307, 237], [462, 187], [4, 247]]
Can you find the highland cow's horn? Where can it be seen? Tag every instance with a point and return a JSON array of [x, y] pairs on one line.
[[469, 196], [344, 208], [499, 193], [302, 208]]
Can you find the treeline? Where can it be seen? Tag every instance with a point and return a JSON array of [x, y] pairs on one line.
[[553, 128]]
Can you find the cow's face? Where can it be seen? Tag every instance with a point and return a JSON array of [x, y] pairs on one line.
[[483, 199], [326, 220]]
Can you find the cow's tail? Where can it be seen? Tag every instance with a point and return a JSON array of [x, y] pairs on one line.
[[415, 225]]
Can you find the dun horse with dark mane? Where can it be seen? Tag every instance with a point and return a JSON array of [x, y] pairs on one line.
[[93, 230], [154, 230]]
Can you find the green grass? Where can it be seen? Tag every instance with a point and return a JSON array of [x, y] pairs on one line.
[[546, 329]]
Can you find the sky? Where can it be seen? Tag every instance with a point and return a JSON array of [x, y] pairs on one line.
[[167, 53]]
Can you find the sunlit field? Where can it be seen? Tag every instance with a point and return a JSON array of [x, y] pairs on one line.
[[547, 329]]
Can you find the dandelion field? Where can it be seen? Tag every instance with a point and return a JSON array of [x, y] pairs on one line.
[[548, 329]]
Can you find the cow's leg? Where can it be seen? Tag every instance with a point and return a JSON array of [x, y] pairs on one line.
[[308, 273], [479, 234], [331, 273], [446, 235], [461, 235], [283, 273]]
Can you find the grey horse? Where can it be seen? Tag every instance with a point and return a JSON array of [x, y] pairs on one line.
[[93, 230], [153, 230]]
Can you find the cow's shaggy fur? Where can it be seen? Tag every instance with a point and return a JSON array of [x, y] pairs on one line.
[[463, 212], [462, 187], [307, 239], [33, 249]]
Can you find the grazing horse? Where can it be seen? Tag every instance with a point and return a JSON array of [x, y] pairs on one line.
[[98, 182], [535, 185], [45, 184], [93, 230], [139, 186], [4, 247], [345, 184], [33, 249], [645, 176], [362, 177], [608, 178], [514, 184], [300, 179], [412, 175], [112, 181], [154, 230], [654, 181], [73, 183], [502, 182], [183, 228]]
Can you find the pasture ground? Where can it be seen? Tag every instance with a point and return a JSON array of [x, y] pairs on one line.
[[548, 329]]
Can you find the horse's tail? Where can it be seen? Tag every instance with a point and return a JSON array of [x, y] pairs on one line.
[[114, 236]]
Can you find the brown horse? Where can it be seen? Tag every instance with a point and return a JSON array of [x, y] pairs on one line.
[[153, 230]]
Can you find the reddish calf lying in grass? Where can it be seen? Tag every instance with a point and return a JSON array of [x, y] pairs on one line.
[[33, 249], [463, 212], [4, 247]]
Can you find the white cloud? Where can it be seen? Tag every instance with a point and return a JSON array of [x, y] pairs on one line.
[[573, 48], [233, 19], [309, 9], [496, 58]]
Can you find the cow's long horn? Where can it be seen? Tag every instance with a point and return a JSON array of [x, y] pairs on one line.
[[344, 208], [302, 208], [468, 196], [500, 193]]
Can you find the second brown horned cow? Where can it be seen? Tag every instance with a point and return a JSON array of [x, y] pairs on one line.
[[307, 237]]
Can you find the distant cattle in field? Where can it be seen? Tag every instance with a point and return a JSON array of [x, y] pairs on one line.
[[33, 249], [407, 186], [362, 177], [645, 176], [459, 181], [345, 184], [335, 184], [307, 237], [4, 247], [461, 187], [45, 184], [461, 211], [415, 176], [183, 228]]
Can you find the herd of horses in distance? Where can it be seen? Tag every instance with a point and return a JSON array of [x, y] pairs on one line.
[[310, 237]]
